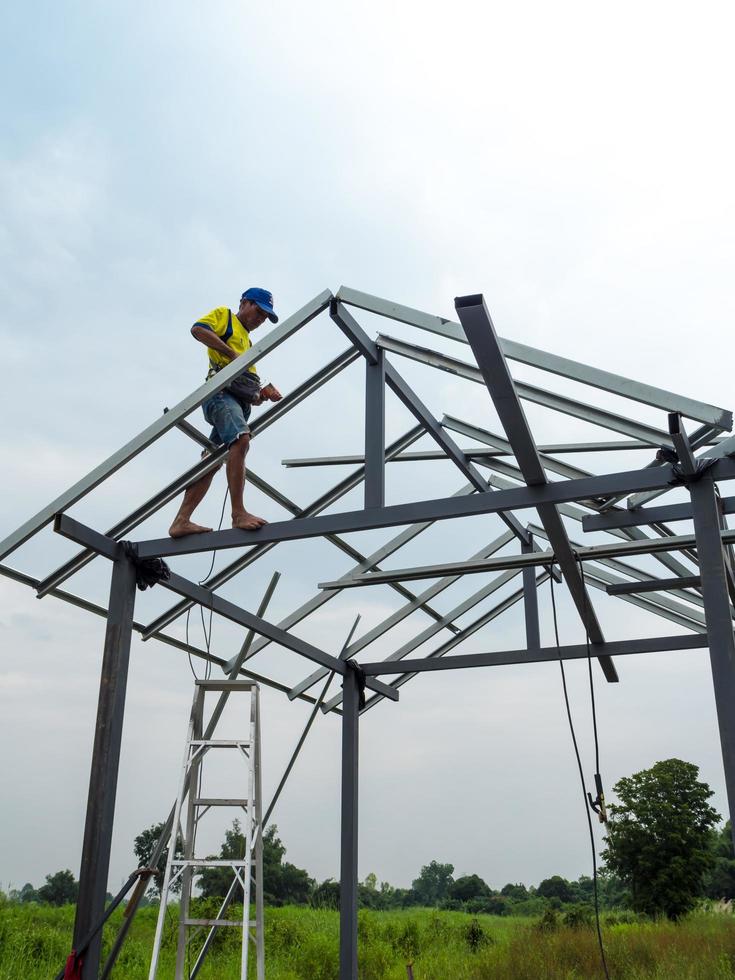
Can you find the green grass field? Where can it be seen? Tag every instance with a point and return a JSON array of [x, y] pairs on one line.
[[302, 944]]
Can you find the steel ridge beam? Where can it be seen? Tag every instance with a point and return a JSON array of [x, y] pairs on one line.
[[480, 332], [444, 508], [354, 332], [636, 430], [565, 367], [611, 648], [86, 536], [165, 422]]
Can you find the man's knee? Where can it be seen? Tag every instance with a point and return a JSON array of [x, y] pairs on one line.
[[241, 445]]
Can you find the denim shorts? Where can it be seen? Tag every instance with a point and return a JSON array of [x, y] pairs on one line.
[[228, 416]]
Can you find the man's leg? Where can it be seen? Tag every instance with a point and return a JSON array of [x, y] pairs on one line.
[[182, 523], [236, 482]]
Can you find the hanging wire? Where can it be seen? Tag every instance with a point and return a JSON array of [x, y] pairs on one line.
[[581, 776], [207, 633]]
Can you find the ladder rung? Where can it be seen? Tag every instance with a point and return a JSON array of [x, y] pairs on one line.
[[217, 801], [210, 863], [221, 743], [213, 922]]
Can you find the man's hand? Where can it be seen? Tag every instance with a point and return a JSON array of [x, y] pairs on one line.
[[269, 393]]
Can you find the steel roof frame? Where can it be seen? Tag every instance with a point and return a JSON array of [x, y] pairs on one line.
[[695, 600]]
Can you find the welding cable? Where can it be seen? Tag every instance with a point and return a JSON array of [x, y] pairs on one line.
[[581, 779], [207, 636]]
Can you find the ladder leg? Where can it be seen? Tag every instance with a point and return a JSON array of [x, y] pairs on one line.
[[189, 837], [259, 934]]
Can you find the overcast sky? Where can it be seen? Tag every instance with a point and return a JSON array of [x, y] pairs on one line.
[[573, 163]]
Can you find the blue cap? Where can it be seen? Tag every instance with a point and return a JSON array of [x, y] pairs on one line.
[[263, 299]]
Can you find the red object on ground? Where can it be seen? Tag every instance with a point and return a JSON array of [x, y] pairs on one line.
[[73, 969]]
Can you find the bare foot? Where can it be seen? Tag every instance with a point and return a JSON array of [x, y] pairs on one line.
[[181, 527], [247, 522]]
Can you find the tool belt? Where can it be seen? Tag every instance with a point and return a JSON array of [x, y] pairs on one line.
[[245, 388]]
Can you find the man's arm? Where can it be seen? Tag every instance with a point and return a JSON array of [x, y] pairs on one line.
[[209, 338]]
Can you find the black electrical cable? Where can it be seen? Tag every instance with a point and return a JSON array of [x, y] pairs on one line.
[[581, 778], [207, 636]]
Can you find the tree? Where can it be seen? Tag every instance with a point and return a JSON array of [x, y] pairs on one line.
[[659, 837], [144, 845], [60, 889], [432, 885], [283, 883], [720, 881], [555, 887], [467, 887], [517, 892]]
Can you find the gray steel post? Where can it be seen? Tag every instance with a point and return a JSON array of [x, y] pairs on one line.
[[375, 432], [719, 622], [348, 864], [530, 602], [105, 760]]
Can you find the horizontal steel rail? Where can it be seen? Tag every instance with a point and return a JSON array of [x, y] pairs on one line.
[[440, 509], [611, 648]]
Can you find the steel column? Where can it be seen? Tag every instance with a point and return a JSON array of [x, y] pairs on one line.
[[375, 432], [105, 761], [530, 602], [719, 622], [348, 863]]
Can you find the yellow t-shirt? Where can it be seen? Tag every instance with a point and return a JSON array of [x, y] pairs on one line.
[[226, 325]]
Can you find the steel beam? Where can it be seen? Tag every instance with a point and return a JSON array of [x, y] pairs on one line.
[[471, 452], [97, 843], [614, 648], [444, 508], [209, 600], [657, 585], [666, 513], [375, 432], [144, 439], [720, 418], [719, 621], [348, 851], [530, 603], [483, 340]]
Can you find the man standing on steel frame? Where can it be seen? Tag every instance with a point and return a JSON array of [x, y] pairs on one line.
[[228, 336]]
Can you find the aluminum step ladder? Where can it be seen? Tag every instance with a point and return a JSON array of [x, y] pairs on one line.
[[199, 743]]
